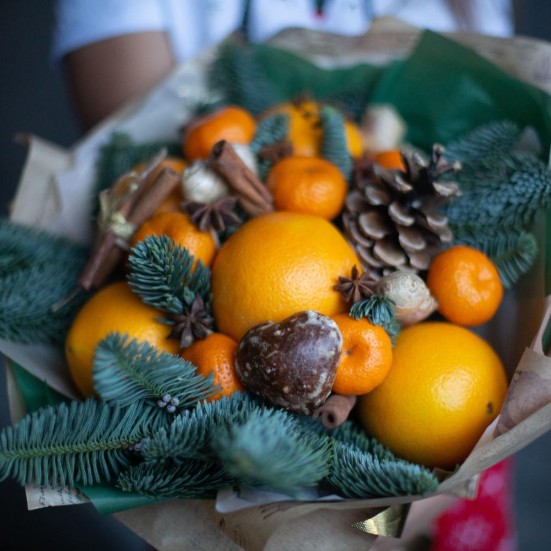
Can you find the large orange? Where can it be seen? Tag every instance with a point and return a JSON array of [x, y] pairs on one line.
[[366, 356], [216, 354], [233, 124], [306, 132], [466, 284], [178, 226], [309, 185], [276, 265], [113, 308], [445, 386]]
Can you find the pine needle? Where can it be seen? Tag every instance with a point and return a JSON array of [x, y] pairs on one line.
[[358, 474], [334, 146], [269, 131], [162, 274], [379, 310], [270, 449], [31, 282], [81, 443], [126, 371], [190, 480]]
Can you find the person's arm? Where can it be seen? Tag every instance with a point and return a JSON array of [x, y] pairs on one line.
[[104, 75]]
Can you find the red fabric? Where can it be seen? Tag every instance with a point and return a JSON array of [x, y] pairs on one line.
[[481, 524]]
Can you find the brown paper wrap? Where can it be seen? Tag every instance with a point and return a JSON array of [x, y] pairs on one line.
[[346, 524]]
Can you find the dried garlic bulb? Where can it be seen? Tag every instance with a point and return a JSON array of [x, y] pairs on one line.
[[411, 296], [382, 128], [202, 184]]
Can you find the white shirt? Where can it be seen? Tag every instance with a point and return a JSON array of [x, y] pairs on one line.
[[193, 25]]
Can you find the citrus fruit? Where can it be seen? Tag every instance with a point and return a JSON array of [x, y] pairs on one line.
[[306, 132], [445, 386], [178, 226], [466, 284], [215, 354], [276, 265], [390, 159], [231, 123], [173, 201], [366, 356], [113, 308], [308, 185]]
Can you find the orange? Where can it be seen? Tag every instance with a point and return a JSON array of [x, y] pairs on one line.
[[308, 185], [445, 386], [390, 159], [231, 123], [276, 265], [305, 130], [113, 308], [216, 354], [178, 226], [366, 356], [173, 201], [466, 284]]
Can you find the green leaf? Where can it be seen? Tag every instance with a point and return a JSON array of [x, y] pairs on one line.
[[359, 474], [270, 449], [127, 371], [81, 443], [162, 274]]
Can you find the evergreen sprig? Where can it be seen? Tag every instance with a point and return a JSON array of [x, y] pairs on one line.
[[80, 443], [190, 433], [162, 274], [512, 253], [190, 480], [271, 449], [269, 131], [379, 310], [351, 435], [32, 283], [360, 474], [126, 371], [334, 146]]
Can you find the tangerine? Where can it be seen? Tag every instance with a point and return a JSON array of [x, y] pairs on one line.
[[113, 308], [307, 185], [306, 132], [466, 284], [445, 386], [366, 356], [276, 265], [179, 227], [231, 123], [390, 159], [216, 354]]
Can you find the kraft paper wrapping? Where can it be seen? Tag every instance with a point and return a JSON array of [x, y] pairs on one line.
[[179, 525]]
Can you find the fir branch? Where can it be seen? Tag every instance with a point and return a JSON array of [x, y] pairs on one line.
[[270, 449], [121, 153], [269, 131], [81, 443], [31, 283], [379, 310], [358, 474], [334, 146], [190, 433], [162, 274], [497, 137], [190, 480], [512, 253], [129, 371], [351, 435]]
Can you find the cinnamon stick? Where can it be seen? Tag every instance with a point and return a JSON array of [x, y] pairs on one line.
[[252, 194], [335, 410]]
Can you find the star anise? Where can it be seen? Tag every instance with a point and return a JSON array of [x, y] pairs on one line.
[[218, 215], [356, 287], [194, 323]]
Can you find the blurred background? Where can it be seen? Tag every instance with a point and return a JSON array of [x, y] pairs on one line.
[[33, 100]]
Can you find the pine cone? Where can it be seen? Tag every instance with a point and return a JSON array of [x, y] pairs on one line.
[[392, 218]]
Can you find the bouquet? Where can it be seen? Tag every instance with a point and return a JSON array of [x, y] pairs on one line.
[[241, 339]]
